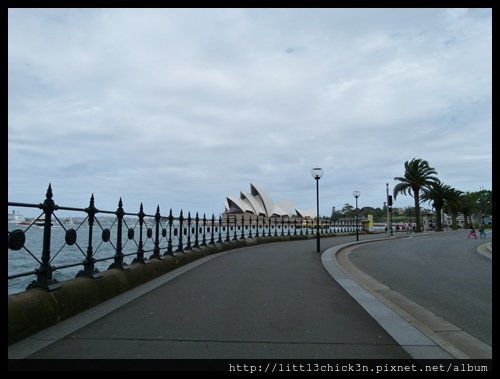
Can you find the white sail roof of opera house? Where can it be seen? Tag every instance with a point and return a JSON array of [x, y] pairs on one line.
[[258, 202]]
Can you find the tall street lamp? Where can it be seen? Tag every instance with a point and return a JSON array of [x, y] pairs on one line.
[[317, 173], [389, 226], [356, 195]]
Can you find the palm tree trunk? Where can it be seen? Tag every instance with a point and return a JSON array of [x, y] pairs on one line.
[[466, 221], [416, 197], [439, 225], [454, 221]]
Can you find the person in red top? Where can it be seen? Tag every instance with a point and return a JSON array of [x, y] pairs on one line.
[[472, 232]]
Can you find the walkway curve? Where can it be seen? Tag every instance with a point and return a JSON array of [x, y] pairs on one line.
[[420, 332], [485, 249], [38, 341]]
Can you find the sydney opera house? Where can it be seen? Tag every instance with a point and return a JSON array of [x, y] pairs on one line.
[[257, 202]]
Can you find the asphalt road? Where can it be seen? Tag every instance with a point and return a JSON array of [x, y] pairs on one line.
[[441, 271]]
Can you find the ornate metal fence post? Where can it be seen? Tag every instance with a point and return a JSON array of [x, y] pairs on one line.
[[257, 227], [250, 227], [118, 259], [204, 238], [140, 248], [44, 272], [235, 237], [180, 248], [170, 223], [156, 249], [196, 225], [242, 237], [227, 228], [212, 223], [219, 240], [188, 242], [89, 270]]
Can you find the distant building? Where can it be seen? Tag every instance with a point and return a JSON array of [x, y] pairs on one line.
[[258, 203], [485, 219]]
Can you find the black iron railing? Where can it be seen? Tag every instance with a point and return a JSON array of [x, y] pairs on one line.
[[102, 235]]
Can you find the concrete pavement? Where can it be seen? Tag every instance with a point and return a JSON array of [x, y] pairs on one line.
[[271, 301]]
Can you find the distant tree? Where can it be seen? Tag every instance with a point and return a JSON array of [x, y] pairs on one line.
[[336, 215], [436, 194], [474, 205], [379, 214], [347, 210], [418, 174], [484, 203], [398, 211], [452, 205]]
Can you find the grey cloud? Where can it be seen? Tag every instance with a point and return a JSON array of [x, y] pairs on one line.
[[187, 106]]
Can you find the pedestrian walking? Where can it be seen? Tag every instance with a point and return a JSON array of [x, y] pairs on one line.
[[472, 232], [482, 233]]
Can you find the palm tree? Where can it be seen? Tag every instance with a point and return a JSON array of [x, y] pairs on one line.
[[418, 174], [468, 205], [436, 194], [484, 203], [452, 205]]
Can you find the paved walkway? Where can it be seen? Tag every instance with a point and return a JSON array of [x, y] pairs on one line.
[[272, 301]]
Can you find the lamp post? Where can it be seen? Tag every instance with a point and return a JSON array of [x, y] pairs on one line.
[[356, 195], [389, 226], [317, 173]]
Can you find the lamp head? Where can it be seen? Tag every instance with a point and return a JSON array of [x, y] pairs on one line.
[[317, 173]]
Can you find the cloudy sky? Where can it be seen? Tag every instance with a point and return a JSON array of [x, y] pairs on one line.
[[183, 107]]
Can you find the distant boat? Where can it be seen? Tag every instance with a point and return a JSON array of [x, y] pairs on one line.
[[14, 217], [38, 222], [25, 222], [41, 222]]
